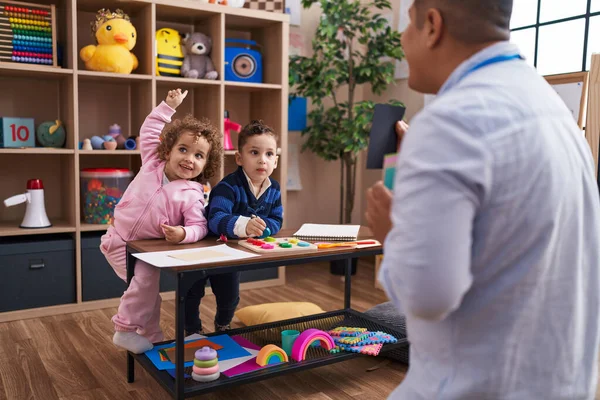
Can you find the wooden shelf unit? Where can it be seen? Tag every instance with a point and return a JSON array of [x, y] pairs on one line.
[[88, 102]]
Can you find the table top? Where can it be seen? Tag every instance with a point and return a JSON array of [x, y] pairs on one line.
[[151, 245]]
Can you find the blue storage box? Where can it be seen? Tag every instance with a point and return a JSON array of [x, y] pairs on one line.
[[39, 271]]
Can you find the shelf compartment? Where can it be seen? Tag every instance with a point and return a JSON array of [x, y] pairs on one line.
[[110, 161], [94, 76], [109, 152], [229, 164], [57, 172], [102, 104], [140, 14], [43, 99], [94, 5], [174, 81], [93, 227], [61, 36], [201, 101], [32, 70], [244, 18], [245, 106], [36, 150], [269, 37], [250, 87], [132, 163], [11, 228], [186, 20], [185, 13]]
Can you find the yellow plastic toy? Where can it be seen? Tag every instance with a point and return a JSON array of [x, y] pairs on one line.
[[116, 36], [169, 56]]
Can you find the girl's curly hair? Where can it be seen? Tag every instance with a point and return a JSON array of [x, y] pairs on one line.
[[200, 128]]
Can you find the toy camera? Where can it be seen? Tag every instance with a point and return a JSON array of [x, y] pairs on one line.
[[243, 61]]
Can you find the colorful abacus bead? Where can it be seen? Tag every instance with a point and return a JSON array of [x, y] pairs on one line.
[[206, 365]]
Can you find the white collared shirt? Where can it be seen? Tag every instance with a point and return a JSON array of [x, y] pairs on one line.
[[494, 254]]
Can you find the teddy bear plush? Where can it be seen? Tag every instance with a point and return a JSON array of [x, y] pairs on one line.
[[197, 63]]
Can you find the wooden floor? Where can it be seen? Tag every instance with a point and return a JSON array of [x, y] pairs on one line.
[[72, 356]]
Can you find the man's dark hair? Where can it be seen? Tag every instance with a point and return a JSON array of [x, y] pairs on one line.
[[470, 21]]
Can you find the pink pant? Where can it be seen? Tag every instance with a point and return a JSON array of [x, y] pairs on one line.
[[139, 310]]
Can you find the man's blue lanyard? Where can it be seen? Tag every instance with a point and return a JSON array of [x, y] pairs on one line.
[[493, 60]]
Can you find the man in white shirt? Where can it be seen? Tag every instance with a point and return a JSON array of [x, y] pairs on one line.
[[492, 250]]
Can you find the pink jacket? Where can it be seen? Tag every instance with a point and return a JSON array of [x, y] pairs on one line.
[[147, 203]]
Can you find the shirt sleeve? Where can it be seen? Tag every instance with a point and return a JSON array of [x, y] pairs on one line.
[[220, 215], [239, 229], [195, 223], [443, 174], [151, 129], [275, 218]]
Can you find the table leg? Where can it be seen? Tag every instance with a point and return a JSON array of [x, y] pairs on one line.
[[130, 265], [179, 339], [348, 282]]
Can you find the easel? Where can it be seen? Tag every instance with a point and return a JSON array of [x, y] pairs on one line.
[[592, 127]]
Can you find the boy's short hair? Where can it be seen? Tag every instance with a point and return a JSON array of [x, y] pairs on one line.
[[255, 127]]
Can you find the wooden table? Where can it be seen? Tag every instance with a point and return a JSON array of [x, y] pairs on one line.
[[181, 388]]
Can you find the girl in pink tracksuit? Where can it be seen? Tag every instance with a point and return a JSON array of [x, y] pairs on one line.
[[165, 200]]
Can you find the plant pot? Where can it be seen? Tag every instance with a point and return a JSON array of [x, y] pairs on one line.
[[337, 267]]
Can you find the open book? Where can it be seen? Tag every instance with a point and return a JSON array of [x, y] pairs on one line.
[[327, 232]]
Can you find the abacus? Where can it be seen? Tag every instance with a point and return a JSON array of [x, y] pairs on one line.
[[28, 33]]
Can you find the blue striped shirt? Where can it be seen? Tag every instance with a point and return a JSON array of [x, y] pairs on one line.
[[232, 198]]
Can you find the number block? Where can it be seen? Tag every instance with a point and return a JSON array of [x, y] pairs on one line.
[[17, 132]]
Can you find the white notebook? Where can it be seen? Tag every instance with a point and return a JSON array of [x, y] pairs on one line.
[[327, 232]]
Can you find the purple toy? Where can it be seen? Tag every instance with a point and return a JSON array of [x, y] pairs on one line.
[[205, 354]]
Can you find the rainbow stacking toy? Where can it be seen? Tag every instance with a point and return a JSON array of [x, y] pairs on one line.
[[271, 354], [308, 337]]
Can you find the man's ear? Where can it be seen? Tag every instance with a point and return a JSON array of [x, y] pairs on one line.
[[434, 25], [238, 158]]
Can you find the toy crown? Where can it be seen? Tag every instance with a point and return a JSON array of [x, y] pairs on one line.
[[104, 15]]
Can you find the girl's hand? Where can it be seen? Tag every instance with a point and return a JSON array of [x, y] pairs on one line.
[[255, 227], [173, 234], [175, 98]]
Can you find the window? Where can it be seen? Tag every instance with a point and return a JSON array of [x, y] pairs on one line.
[[556, 39]]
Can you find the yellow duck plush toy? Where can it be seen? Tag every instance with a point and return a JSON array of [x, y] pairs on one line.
[[116, 36]]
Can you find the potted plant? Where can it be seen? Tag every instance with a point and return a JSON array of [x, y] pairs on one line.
[[353, 45]]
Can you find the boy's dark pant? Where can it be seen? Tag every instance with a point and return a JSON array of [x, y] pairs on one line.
[[226, 288]]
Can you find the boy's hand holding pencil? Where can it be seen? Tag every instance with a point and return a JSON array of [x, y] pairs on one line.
[[255, 227]]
